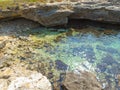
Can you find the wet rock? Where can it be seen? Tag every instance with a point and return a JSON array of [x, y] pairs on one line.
[[77, 51], [115, 69], [46, 67], [86, 52], [112, 51], [109, 65], [83, 81], [61, 65], [108, 49], [109, 60], [98, 47], [102, 67], [90, 56]]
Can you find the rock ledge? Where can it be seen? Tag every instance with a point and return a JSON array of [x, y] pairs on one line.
[[53, 14]]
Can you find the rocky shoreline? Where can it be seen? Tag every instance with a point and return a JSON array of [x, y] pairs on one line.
[[19, 61], [54, 14], [22, 64]]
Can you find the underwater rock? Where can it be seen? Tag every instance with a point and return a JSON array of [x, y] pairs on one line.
[[102, 67], [98, 47], [90, 55], [109, 65], [83, 81], [61, 65], [108, 49], [112, 51], [109, 60], [84, 51]]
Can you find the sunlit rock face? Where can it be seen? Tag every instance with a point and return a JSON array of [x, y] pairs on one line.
[[54, 14], [15, 76], [34, 81]]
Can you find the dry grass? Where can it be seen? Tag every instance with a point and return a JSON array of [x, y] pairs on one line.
[[5, 3]]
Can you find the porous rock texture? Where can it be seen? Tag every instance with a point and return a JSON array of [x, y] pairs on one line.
[[15, 76], [53, 14]]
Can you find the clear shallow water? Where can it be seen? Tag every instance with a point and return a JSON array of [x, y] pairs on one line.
[[86, 51], [52, 51]]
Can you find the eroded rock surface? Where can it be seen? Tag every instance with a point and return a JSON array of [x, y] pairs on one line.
[[15, 76], [53, 14], [83, 81]]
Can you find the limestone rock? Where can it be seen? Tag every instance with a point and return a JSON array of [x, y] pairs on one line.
[[48, 15], [33, 82], [15, 76], [83, 81], [53, 14]]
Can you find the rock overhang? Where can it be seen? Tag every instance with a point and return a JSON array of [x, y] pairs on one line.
[[53, 14]]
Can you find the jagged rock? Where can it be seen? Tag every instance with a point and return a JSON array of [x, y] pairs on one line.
[[83, 81]]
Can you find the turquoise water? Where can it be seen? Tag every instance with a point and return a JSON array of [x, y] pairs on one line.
[[96, 50], [86, 51]]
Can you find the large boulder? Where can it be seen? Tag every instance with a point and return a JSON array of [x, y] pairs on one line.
[[48, 15], [83, 81], [32, 82], [15, 76]]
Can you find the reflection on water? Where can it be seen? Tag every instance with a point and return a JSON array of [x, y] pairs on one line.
[[91, 50]]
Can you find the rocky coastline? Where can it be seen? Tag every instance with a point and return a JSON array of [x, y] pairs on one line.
[[24, 67], [54, 14]]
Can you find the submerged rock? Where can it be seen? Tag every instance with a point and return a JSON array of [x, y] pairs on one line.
[[83, 81], [61, 65]]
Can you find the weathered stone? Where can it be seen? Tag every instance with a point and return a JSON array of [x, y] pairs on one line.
[[83, 81], [34, 81], [47, 15], [53, 14], [17, 77]]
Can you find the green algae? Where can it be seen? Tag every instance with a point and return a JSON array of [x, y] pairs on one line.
[[87, 49], [83, 50]]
